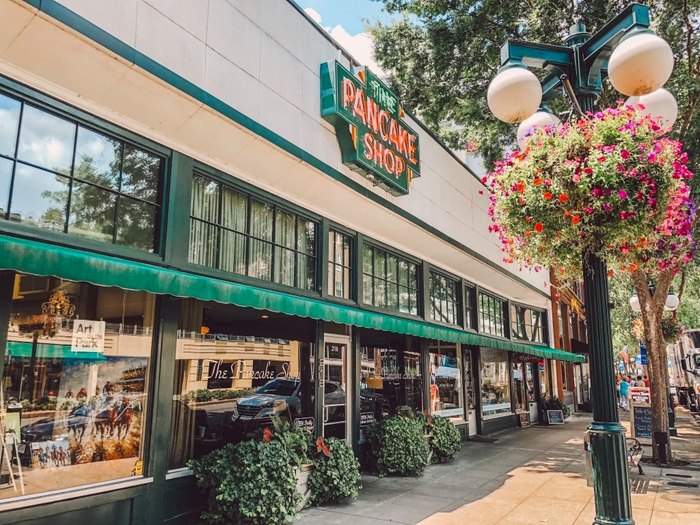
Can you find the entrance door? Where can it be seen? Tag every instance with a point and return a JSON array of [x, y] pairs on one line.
[[337, 389]]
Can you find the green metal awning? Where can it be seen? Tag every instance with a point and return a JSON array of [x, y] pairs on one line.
[[40, 258], [49, 351]]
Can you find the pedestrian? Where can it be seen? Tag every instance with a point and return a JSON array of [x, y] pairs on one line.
[[639, 382], [624, 393], [646, 382]]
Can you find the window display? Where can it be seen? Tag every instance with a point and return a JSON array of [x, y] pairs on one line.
[[446, 398], [228, 385], [75, 384], [495, 382]]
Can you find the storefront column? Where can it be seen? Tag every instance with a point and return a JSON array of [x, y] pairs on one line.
[[425, 373], [319, 379], [355, 364], [7, 284], [160, 407]]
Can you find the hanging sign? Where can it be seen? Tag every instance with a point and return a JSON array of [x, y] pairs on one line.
[[368, 119], [643, 353], [88, 336]]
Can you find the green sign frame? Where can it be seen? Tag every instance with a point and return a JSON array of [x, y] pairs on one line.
[[367, 117]]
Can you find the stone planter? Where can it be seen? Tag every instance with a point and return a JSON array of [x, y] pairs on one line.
[[302, 474]]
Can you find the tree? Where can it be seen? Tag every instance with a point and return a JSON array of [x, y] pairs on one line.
[[443, 53]]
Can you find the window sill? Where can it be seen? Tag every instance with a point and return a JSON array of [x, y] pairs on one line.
[[72, 493], [179, 473], [496, 416]]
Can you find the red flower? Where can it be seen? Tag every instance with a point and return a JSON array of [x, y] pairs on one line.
[[576, 219], [563, 198], [547, 195], [538, 227], [537, 181], [321, 447], [267, 435]]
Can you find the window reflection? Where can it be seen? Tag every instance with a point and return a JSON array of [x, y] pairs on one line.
[[495, 382]]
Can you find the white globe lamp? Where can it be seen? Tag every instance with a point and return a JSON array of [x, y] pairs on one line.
[[640, 64], [527, 127], [514, 94], [660, 105], [672, 301], [634, 303]]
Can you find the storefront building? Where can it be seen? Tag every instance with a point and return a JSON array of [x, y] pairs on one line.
[[190, 245]]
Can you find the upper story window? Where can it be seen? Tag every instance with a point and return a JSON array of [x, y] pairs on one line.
[[237, 233], [470, 306], [527, 324], [444, 299], [59, 175], [339, 264], [491, 315], [389, 281]]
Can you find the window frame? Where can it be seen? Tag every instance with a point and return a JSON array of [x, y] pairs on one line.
[[458, 297], [513, 305], [330, 263], [504, 324]]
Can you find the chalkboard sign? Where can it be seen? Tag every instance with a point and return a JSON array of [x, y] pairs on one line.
[[641, 422], [366, 418], [524, 418], [555, 417], [305, 423]]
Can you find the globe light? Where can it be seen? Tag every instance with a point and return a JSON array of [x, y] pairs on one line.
[[514, 95], [640, 64], [660, 105], [634, 303], [528, 126], [672, 301]]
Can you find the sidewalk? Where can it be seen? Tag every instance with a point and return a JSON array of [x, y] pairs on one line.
[[529, 476]]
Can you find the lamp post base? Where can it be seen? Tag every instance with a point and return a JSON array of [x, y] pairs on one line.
[[611, 484]]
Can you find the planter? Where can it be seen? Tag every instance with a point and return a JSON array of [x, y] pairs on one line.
[[302, 474]]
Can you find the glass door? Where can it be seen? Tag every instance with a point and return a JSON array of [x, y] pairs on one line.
[[336, 388]]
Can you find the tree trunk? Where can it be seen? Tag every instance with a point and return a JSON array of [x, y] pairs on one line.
[[652, 313]]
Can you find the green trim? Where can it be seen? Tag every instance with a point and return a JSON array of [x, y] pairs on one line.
[[50, 351], [101, 37], [38, 258]]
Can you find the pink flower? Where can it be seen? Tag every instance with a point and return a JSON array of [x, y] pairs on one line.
[[625, 154], [622, 194]]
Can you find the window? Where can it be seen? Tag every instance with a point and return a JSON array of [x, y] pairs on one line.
[[61, 176], [495, 382], [470, 307], [229, 384], [527, 324], [339, 264], [444, 301], [491, 315], [76, 384], [389, 281], [446, 397], [234, 232]]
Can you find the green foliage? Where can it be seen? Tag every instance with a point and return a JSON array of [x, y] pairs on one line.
[[203, 394], [554, 403], [294, 440], [397, 445], [443, 438], [336, 474], [249, 482]]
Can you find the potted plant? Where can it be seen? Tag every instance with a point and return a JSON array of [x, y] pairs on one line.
[[296, 443], [336, 472], [443, 438], [553, 403], [398, 445]]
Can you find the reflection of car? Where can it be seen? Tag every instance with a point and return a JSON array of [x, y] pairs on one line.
[[59, 427]]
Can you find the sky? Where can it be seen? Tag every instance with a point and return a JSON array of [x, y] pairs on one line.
[[345, 21]]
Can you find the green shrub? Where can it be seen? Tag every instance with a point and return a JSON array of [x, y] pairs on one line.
[[336, 473], [397, 445], [249, 482], [444, 438], [554, 403]]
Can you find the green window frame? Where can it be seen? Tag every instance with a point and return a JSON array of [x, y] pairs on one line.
[[527, 324], [492, 315], [59, 174], [444, 299], [389, 280], [233, 231], [470, 307], [340, 256]]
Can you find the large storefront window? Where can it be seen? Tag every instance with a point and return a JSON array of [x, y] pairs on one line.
[[235, 369], [234, 232], [527, 324], [444, 299], [446, 396], [495, 382], [62, 176], [491, 315], [389, 281], [75, 384], [339, 264]]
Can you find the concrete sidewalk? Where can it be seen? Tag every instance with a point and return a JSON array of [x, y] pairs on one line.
[[529, 476]]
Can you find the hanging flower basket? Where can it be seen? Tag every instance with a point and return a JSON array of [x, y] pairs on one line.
[[609, 183]]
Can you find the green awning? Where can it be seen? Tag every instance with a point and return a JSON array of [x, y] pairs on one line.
[[40, 258], [49, 351]]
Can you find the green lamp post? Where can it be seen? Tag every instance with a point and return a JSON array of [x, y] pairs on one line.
[[637, 63]]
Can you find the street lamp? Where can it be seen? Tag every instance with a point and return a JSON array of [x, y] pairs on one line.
[[671, 305], [638, 63]]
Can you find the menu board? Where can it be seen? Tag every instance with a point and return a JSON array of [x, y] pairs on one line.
[[555, 417], [641, 422]]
